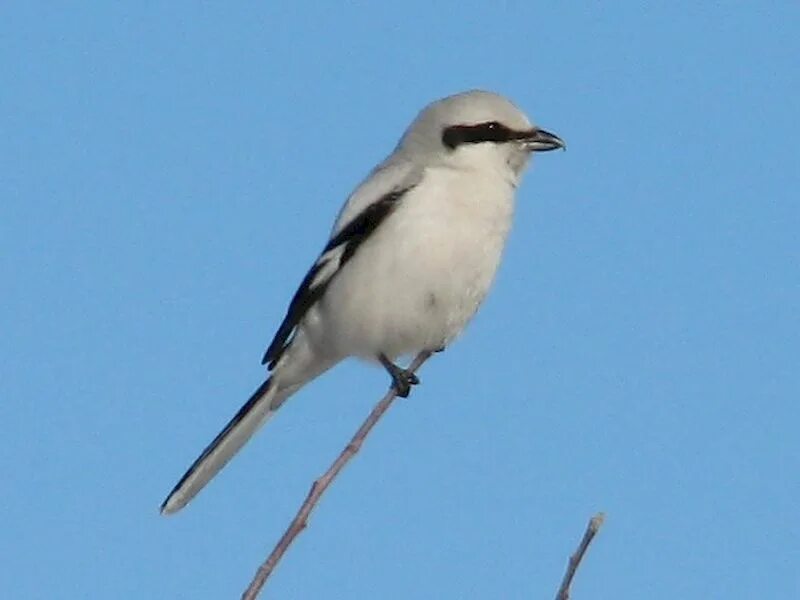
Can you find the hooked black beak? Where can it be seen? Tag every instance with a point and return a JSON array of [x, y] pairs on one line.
[[539, 140]]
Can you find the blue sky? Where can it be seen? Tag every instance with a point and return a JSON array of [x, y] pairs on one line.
[[168, 172]]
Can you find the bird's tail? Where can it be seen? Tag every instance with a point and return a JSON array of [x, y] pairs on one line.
[[255, 412]]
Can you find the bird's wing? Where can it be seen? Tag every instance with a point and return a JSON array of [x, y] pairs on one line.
[[370, 205]]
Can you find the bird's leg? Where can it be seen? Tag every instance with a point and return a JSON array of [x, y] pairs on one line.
[[402, 379]]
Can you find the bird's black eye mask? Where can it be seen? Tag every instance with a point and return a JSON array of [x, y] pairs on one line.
[[454, 136]]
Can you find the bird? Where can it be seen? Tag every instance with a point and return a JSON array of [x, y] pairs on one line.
[[410, 258]]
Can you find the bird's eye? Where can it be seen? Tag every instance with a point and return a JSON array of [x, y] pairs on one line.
[[489, 131]]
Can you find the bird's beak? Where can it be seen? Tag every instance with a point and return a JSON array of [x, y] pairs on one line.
[[539, 140]]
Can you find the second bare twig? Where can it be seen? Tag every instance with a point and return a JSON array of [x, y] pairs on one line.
[[575, 560]]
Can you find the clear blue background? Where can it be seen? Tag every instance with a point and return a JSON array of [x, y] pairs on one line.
[[168, 171]]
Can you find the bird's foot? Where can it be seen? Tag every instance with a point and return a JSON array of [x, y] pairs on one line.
[[402, 379]]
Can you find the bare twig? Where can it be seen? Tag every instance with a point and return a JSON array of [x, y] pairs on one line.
[[575, 560], [318, 488]]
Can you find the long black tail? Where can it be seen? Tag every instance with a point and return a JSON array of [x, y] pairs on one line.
[[228, 442]]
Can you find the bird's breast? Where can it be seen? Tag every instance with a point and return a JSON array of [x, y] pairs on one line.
[[425, 270], [464, 222]]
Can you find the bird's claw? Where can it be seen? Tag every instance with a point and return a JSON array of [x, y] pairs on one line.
[[402, 380]]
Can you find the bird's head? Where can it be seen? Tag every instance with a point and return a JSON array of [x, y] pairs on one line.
[[475, 130]]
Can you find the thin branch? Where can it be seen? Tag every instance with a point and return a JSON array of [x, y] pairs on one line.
[[318, 488], [575, 560]]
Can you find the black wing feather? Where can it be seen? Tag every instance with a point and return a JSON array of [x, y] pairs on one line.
[[350, 238]]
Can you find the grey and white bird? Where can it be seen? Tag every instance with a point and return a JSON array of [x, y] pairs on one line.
[[410, 258]]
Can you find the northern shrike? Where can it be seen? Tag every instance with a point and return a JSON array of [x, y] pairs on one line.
[[411, 256]]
